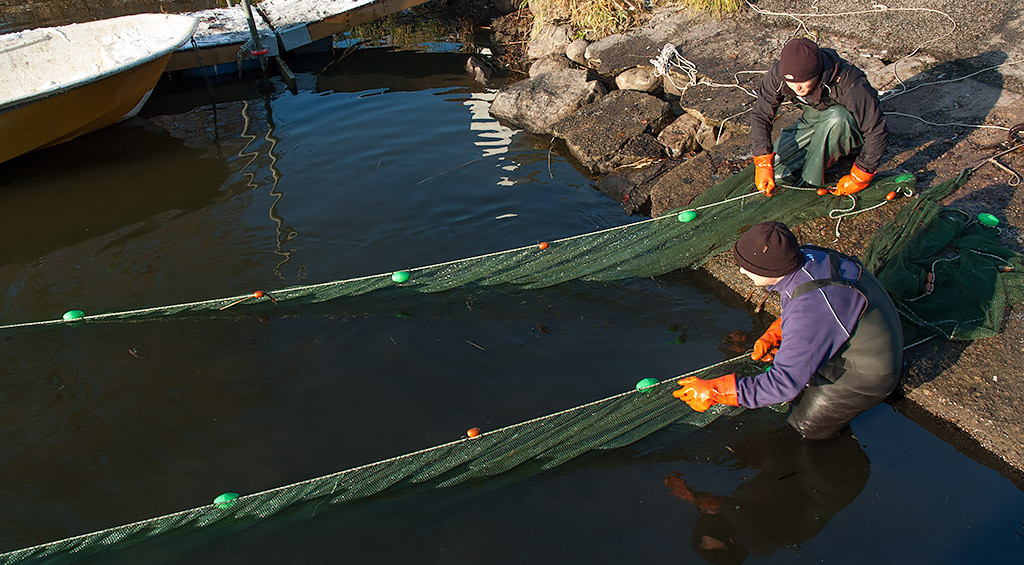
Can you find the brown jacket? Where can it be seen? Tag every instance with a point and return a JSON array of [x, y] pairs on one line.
[[842, 83]]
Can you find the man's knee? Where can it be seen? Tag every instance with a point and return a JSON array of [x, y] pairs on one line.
[[837, 116]]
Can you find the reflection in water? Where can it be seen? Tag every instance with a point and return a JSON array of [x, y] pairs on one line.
[[799, 486], [112, 180]]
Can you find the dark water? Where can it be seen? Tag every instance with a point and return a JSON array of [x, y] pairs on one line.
[[390, 161]]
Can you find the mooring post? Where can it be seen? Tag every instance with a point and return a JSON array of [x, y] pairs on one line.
[[257, 51]]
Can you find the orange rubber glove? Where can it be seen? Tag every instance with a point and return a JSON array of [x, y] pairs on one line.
[[766, 345], [764, 174], [856, 181], [702, 394]]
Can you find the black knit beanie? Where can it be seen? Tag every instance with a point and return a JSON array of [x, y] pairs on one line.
[[768, 249], [800, 60]]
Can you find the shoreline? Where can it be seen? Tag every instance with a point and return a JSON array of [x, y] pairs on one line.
[[948, 387]]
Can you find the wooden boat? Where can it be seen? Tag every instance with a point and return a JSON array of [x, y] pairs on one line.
[[61, 82]]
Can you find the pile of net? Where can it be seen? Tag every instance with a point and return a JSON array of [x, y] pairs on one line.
[[945, 270]]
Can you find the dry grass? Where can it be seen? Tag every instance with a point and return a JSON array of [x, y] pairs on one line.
[[594, 19]]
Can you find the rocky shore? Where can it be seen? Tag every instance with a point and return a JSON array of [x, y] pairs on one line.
[[659, 114]]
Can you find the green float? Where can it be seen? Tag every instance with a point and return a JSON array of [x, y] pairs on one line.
[[687, 216], [646, 383], [988, 219], [400, 276], [225, 500], [905, 177], [72, 315]]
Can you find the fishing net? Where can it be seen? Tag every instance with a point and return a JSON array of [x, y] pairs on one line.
[[521, 449], [945, 269], [647, 248]]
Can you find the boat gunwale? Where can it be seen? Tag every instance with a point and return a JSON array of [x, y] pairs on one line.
[[58, 90]]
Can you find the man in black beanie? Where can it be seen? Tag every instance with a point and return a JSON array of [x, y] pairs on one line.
[[840, 114], [839, 338]]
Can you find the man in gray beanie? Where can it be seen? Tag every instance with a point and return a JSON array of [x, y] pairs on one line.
[[839, 340], [840, 114]]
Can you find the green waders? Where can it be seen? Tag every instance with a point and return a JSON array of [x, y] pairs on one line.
[[816, 141]]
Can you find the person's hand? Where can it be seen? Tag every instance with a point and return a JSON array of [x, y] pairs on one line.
[[769, 342], [856, 181], [764, 173], [702, 394]]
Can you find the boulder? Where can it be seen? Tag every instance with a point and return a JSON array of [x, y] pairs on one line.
[[505, 6], [631, 186], [616, 53], [479, 69], [576, 51], [549, 40], [680, 137], [642, 78], [548, 64], [534, 104], [598, 132], [690, 178]]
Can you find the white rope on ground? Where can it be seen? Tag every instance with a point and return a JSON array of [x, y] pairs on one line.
[[875, 9], [670, 59]]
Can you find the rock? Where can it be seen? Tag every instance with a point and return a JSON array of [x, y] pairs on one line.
[[479, 69], [505, 6], [549, 40], [709, 137], [631, 186], [576, 51], [885, 78], [680, 137], [616, 53], [687, 180], [640, 78], [598, 132], [549, 63], [535, 104]]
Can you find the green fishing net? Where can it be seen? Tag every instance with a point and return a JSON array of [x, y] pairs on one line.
[[945, 269]]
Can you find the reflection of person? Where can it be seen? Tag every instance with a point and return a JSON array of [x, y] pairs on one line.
[[840, 114], [798, 488], [839, 336]]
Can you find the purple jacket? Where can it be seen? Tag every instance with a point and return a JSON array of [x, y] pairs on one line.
[[814, 327]]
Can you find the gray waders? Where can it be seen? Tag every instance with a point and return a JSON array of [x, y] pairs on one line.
[[864, 370], [816, 141]]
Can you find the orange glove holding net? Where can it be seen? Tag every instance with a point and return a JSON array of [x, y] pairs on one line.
[[766, 345], [856, 181], [702, 394], [764, 173]]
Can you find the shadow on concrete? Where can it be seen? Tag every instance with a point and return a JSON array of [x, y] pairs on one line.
[[947, 103]]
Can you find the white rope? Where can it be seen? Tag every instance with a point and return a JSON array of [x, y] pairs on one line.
[[669, 59]]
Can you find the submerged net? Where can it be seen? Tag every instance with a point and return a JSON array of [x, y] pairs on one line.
[[521, 449], [643, 249], [946, 271]]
